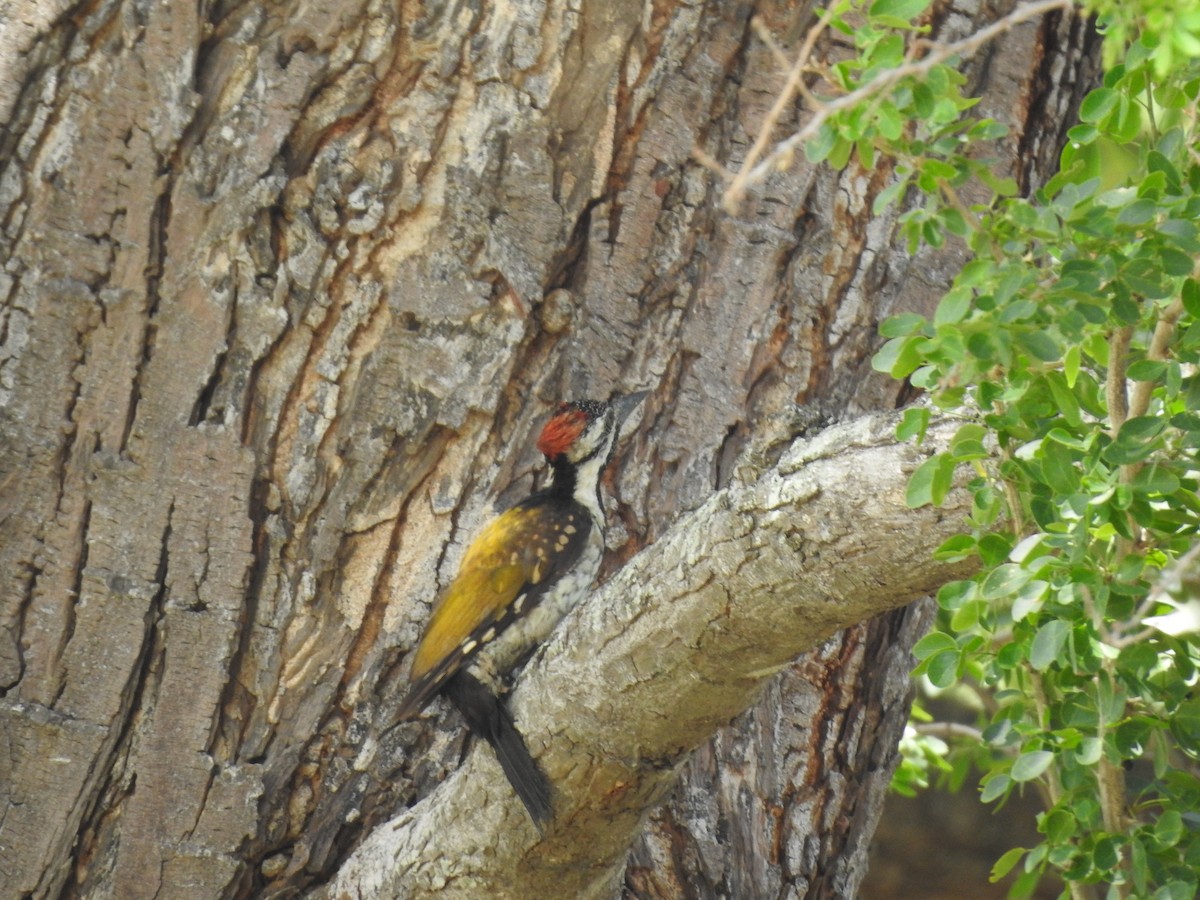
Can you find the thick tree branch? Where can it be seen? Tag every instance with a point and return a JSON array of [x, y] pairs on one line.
[[672, 647]]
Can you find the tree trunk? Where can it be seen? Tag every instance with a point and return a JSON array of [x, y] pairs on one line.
[[287, 289]]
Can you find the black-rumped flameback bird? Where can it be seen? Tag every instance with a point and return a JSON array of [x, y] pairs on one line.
[[520, 576]]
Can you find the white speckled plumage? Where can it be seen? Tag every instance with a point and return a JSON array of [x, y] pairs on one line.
[[521, 575]]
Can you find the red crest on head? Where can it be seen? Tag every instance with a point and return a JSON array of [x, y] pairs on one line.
[[561, 431]]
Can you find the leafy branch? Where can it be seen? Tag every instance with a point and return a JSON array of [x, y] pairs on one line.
[[1070, 346], [760, 161]]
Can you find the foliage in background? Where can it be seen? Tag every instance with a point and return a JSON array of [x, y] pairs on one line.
[[1070, 346]]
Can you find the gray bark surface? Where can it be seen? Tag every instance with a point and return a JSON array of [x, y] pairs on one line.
[[285, 291]]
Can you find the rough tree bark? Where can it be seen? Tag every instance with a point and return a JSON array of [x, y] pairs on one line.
[[286, 290]]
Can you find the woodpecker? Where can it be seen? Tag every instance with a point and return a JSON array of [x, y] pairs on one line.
[[520, 576]]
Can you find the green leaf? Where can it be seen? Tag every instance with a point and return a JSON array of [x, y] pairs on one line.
[[1191, 338], [1030, 599], [967, 442], [902, 325], [1110, 700], [931, 481], [1138, 213], [1124, 306], [1061, 436], [819, 148], [1004, 581], [1029, 766], [1152, 185], [1082, 134], [1176, 890], [1058, 468], [994, 786], [1146, 370], [953, 221], [1105, 855], [1185, 725], [1142, 428], [888, 52], [1117, 197], [993, 548], [1128, 121], [1186, 421], [1139, 865], [913, 423], [959, 547], [899, 357], [1039, 345], [1036, 857], [1058, 826], [923, 100], [1098, 104], [1155, 479], [1088, 753], [1190, 294], [939, 169], [1168, 830], [1026, 546], [934, 642], [1018, 310], [1176, 263], [1135, 440], [888, 195], [953, 307], [1005, 863], [1145, 278], [1071, 360], [967, 616], [839, 155], [1048, 643], [1184, 234], [942, 668], [931, 232], [1064, 397], [1156, 161], [889, 121], [952, 595], [904, 10]]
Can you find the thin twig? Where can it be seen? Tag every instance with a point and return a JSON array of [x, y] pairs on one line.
[[764, 34], [949, 731], [1157, 591], [1123, 640], [711, 163], [1114, 389], [1163, 331], [791, 86], [1053, 785], [754, 171], [1115, 385]]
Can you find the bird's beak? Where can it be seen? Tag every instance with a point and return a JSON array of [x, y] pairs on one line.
[[623, 406]]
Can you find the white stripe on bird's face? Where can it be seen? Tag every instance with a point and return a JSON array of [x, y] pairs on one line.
[[595, 439]]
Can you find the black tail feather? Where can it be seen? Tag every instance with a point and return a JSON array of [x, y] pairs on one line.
[[417, 698], [488, 718]]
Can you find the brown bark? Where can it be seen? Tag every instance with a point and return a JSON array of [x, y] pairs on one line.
[[286, 288]]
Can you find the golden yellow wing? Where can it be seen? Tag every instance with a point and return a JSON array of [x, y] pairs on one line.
[[523, 550]]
